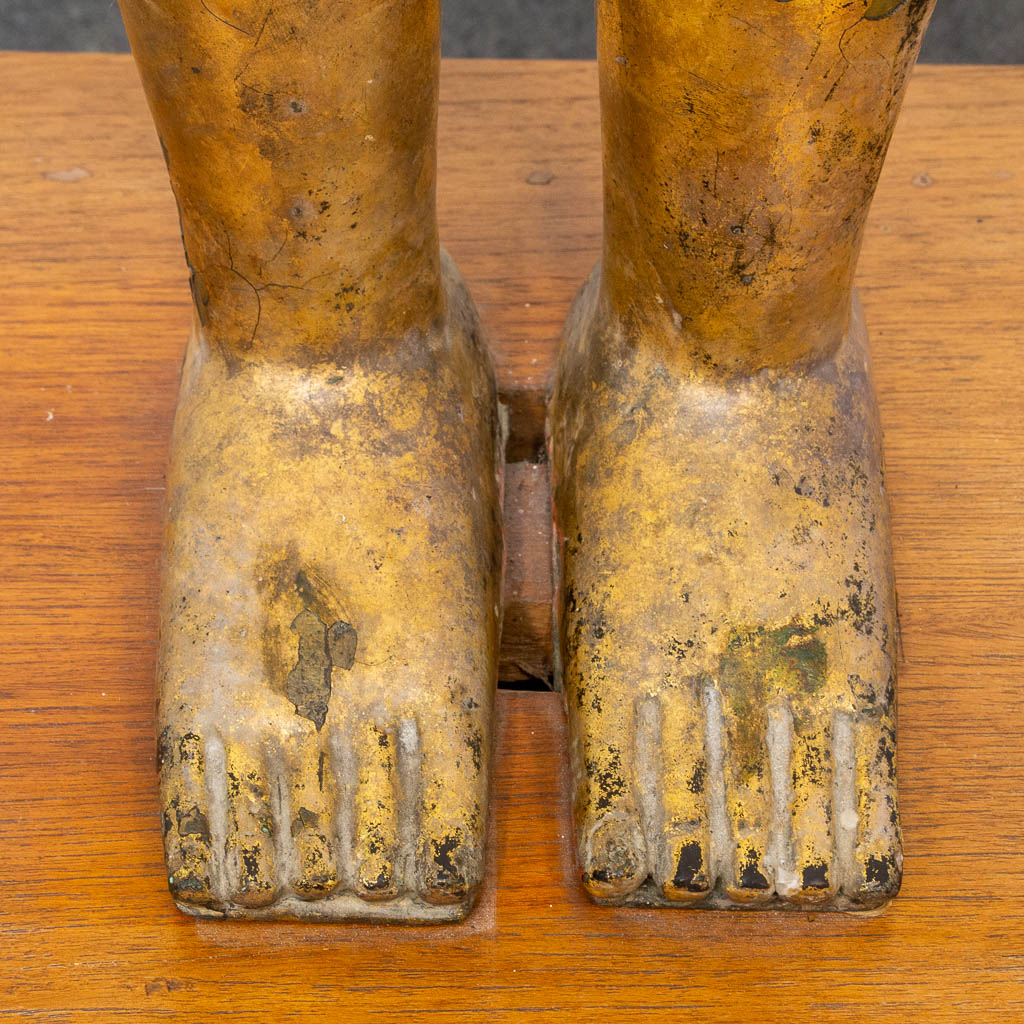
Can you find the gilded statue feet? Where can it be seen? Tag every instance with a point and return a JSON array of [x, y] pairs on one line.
[[728, 628], [329, 630]]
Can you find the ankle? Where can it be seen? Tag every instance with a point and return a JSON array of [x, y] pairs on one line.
[[741, 334]]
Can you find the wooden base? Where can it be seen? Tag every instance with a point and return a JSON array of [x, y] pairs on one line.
[[92, 329]]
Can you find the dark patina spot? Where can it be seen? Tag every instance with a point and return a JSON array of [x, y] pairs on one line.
[[690, 869], [342, 640], [192, 822], [815, 876], [697, 779], [381, 883], [309, 683], [449, 874], [320, 649], [878, 870], [750, 876]]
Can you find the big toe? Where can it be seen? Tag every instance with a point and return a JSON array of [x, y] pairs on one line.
[[614, 860]]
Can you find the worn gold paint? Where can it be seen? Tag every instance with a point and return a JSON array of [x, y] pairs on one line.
[[300, 144], [329, 605], [727, 622], [742, 144]]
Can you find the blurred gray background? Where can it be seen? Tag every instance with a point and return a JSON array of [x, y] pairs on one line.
[[962, 31]]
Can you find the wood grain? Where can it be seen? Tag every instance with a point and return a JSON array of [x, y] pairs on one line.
[[94, 313]]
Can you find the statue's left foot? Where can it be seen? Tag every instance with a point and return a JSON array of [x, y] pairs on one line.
[[727, 629]]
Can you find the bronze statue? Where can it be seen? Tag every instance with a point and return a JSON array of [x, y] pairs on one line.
[[330, 604]]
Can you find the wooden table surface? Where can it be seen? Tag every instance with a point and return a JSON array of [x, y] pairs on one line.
[[94, 310]]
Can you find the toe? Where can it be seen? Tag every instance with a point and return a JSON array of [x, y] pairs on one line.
[[750, 881], [614, 859], [870, 847], [450, 867], [181, 760], [375, 842], [250, 840], [682, 872], [746, 875], [451, 774], [811, 773], [316, 874], [186, 816], [612, 850], [312, 794]]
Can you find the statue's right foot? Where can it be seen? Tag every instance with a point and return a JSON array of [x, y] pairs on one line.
[[329, 631]]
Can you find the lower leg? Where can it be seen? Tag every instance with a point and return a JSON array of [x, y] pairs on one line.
[[742, 147], [300, 143]]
